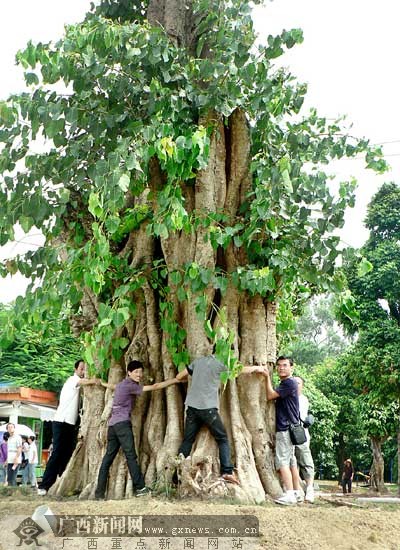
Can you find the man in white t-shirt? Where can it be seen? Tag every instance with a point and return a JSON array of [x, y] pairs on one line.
[[32, 461], [64, 426], [303, 453], [14, 454]]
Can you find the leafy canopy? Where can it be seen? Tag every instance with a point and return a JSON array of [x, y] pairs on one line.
[[113, 95]]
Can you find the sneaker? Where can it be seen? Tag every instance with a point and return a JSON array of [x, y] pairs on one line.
[[299, 494], [143, 492], [310, 495], [42, 492], [230, 478], [99, 497], [286, 500]]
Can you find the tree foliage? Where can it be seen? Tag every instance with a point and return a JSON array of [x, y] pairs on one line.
[[316, 335], [37, 358], [130, 96], [373, 362], [374, 359]]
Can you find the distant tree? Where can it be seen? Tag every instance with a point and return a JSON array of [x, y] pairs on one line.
[[379, 423], [374, 360], [349, 439], [317, 334]]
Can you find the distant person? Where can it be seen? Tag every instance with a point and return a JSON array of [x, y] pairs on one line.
[[14, 454], [347, 476], [3, 458], [202, 404], [287, 412], [64, 426], [24, 459], [32, 462], [119, 434], [302, 452]]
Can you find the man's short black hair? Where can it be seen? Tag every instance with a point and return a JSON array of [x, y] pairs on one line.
[[77, 363], [285, 358], [31, 437], [6, 436], [133, 365]]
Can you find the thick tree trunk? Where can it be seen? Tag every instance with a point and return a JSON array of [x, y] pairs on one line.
[[158, 418], [378, 466]]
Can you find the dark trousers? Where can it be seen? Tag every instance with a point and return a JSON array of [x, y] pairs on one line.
[[64, 441], [12, 475], [195, 419], [346, 484], [119, 435]]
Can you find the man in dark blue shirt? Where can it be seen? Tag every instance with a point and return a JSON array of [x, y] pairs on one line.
[[287, 412]]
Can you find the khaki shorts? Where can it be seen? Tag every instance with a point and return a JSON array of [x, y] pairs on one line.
[[304, 460], [284, 450]]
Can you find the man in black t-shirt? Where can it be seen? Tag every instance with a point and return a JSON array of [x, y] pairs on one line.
[[287, 412]]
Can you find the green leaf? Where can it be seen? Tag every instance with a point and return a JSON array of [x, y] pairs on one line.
[[31, 78], [26, 223], [364, 267], [124, 182], [95, 208], [105, 322]]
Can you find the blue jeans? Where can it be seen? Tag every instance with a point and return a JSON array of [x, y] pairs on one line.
[[12, 475], [25, 474], [3, 471], [195, 419], [30, 475], [119, 435]]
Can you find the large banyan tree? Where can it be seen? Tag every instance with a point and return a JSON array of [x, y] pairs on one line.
[[183, 201]]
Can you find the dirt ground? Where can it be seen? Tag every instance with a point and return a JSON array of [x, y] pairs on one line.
[[332, 522]]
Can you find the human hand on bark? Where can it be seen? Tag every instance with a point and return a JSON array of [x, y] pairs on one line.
[[264, 371], [107, 385], [256, 369], [260, 369], [89, 382]]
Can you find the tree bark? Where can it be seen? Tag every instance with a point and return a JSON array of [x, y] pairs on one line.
[[378, 466], [158, 418], [398, 462]]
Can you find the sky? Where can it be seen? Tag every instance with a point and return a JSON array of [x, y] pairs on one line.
[[349, 58]]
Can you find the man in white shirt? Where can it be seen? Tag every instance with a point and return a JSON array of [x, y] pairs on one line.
[[14, 454], [64, 426], [303, 453], [32, 461]]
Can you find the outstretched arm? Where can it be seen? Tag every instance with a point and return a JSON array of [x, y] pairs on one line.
[[258, 369], [161, 385], [108, 385], [89, 382]]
